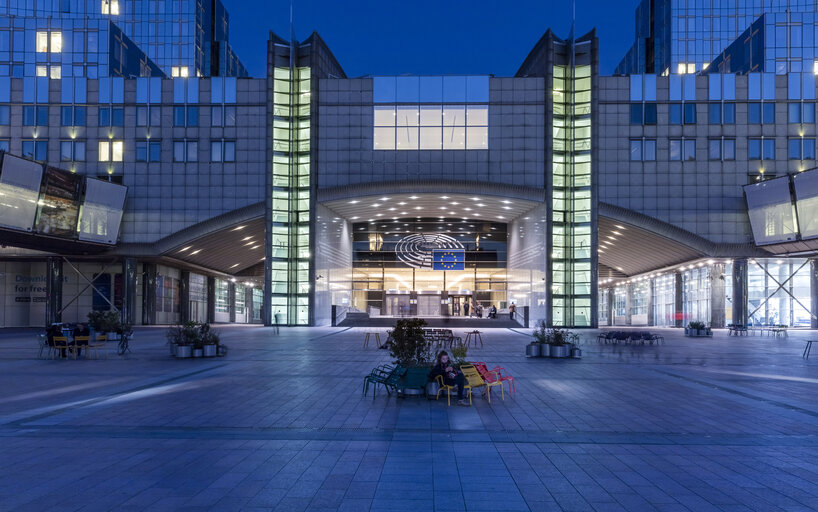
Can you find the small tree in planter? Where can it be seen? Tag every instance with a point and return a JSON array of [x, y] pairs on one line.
[[459, 354], [539, 347], [409, 346], [560, 345], [185, 337], [210, 341], [697, 329], [103, 322]]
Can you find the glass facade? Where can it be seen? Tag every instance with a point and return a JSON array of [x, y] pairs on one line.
[[571, 200], [177, 38], [664, 300], [779, 292], [290, 238]]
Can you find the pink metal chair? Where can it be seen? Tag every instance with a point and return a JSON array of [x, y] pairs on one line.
[[497, 373]]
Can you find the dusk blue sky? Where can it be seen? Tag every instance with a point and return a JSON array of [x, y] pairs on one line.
[[429, 36]]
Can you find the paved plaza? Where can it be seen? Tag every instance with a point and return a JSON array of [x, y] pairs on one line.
[[280, 424]]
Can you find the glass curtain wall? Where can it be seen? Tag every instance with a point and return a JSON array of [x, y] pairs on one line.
[[640, 297], [696, 295], [571, 197], [290, 262], [779, 292], [603, 307], [664, 301]]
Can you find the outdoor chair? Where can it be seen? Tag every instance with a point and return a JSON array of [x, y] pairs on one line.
[[87, 345], [379, 375], [60, 344], [475, 381], [448, 389], [655, 338], [622, 336], [42, 340], [495, 374]]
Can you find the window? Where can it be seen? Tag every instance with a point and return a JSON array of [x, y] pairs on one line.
[[44, 38], [801, 149], [148, 151], [56, 42], [643, 150], [185, 151], [110, 151], [801, 112], [4, 115], [185, 116], [179, 71], [721, 149], [110, 7], [722, 113], [675, 150], [689, 149], [675, 113], [690, 113], [761, 149], [223, 151], [35, 115], [72, 116], [4, 144], [761, 113], [683, 149], [433, 127], [148, 116], [35, 149], [216, 116], [42, 42], [643, 113], [72, 151], [111, 116]]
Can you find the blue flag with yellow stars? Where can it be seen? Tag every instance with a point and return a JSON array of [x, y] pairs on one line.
[[449, 259]]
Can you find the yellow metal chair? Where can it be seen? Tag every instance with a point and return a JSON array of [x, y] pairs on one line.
[[88, 345], [476, 381], [449, 389], [60, 344]]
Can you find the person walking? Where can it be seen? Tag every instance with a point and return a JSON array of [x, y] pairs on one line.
[[511, 309], [466, 309]]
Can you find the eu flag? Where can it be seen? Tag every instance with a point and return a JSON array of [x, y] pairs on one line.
[[449, 259]]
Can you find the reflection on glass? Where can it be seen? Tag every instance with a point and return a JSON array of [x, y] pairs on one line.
[[59, 206]]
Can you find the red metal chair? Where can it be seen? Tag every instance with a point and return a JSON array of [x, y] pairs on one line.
[[497, 373]]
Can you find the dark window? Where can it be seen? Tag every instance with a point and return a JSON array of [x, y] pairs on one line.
[[141, 117], [29, 115], [675, 113], [714, 149], [769, 112], [117, 116], [148, 151], [193, 116], [809, 149], [754, 149], [636, 114], [141, 151], [728, 149], [42, 116], [4, 144], [230, 115], [648, 150], [178, 116], [67, 116], [768, 148], [794, 113], [690, 113], [156, 116], [80, 113], [636, 150], [754, 113], [105, 116], [650, 113], [714, 113], [217, 116], [66, 151], [4, 115], [35, 149], [728, 113]]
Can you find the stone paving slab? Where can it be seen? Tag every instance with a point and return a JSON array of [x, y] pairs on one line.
[[280, 424]]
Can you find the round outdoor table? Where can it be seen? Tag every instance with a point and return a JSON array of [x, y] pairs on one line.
[[474, 336]]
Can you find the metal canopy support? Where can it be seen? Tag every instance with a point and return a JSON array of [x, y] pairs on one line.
[[149, 294], [89, 284], [740, 292], [231, 300], [678, 303], [717, 296], [813, 291], [128, 311], [53, 294], [184, 297], [211, 299]]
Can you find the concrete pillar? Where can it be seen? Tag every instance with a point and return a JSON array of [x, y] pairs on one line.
[[211, 299], [231, 300], [128, 311], [813, 293], [184, 297], [149, 294], [739, 282], [651, 302], [717, 300], [53, 291], [248, 303], [679, 301]]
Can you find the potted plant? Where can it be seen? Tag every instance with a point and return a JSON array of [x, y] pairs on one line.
[[412, 350], [538, 347], [696, 329], [210, 341], [575, 351], [104, 322], [185, 337], [559, 343]]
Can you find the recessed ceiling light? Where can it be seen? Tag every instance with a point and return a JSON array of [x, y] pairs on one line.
[[480, 204], [506, 202], [384, 199], [186, 248], [238, 228], [378, 215], [475, 198], [234, 265], [354, 218], [197, 251], [413, 197], [455, 203], [444, 197], [354, 202], [392, 209], [418, 208], [500, 217], [467, 209], [619, 227], [401, 203], [506, 207], [375, 205]]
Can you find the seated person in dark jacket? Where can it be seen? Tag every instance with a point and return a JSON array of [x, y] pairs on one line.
[[451, 376], [81, 330], [55, 330]]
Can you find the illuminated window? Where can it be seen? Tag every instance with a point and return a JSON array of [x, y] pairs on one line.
[[431, 127], [110, 7], [56, 72], [42, 70], [42, 42], [179, 72], [56, 42], [110, 151]]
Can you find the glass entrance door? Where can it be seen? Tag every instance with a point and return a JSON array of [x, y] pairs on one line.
[[397, 305], [428, 305]]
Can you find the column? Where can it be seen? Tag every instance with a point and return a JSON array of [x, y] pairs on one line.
[[128, 311], [184, 297], [248, 303], [211, 299], [717, 300], [679, 300], [651, 302], [53, 292], [611, 305], [628, 298], [739, 280], [231, 300], [149, 294], [813, 293]]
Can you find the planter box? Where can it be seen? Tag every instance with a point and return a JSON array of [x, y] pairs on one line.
[[576, 353], [172, 349], [534, 350], [198, 352], [184, 351], [210, 350], [560, 350]]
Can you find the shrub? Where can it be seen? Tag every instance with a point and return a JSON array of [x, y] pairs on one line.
[[409, 346], [459, 354]]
